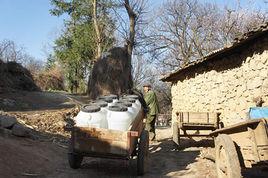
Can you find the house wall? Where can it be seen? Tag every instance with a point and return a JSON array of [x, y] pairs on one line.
[[226, 85]]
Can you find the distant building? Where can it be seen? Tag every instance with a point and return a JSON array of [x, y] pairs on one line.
[[227, 80]]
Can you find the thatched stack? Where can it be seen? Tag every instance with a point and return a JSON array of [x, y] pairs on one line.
[[111, 74]]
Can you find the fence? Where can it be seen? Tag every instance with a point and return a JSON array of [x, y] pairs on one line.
[[163, 120]]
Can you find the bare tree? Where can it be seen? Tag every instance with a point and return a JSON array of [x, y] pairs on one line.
[[97, 30], [140, 70], [10, 51], [130, 18], [186, 30], [103, 25], [238, 20]]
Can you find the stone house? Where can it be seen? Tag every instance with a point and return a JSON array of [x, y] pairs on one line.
[[227, 80]]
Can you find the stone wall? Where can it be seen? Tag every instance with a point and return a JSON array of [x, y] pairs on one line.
[[226, 85]]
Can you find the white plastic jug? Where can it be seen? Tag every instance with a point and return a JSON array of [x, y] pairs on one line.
[[136, 97], [134, 105], [109, 100], [102, 104], [104, 108], [129, 106], [91, 116], [118, 118], [113, 97]]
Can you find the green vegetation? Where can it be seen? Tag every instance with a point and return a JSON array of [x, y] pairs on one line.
[[75, 49]]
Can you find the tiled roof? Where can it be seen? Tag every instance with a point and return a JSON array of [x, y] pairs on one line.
[[238, 41]]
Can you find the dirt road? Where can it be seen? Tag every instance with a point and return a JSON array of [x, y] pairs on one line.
[[35, 158], [45, 153]]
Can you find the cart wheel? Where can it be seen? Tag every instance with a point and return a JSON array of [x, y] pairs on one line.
[[74, 159], [176, 134], [143, 147], [227, 163]]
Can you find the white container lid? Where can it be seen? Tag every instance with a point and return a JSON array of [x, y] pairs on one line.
[[118, 108], [112, 96], [106, 99], [100, 103], [90, 108], [131, 100], [132, 96], [125, 103]]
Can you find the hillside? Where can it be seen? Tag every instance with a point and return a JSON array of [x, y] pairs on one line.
[[15, 76]]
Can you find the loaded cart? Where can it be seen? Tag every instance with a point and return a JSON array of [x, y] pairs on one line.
[[114, 144], [241, 145]]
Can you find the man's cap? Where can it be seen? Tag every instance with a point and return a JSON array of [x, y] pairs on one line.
[[147, 85]]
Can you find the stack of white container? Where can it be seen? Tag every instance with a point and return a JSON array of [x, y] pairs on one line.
[[109, 113]]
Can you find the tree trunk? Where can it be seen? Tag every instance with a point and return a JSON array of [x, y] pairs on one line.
[[131, 39], [96, 26]]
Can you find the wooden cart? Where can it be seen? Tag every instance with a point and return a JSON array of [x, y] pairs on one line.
[[193, 121], [104, 143], [241, 145]]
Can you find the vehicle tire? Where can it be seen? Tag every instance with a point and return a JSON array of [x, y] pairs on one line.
[[176, 134], [74, 159], [143, 148], [227, 162]]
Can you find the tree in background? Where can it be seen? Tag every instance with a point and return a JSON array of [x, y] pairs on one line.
[[186, 30], [10, 51], [76, 48], [112, 72]]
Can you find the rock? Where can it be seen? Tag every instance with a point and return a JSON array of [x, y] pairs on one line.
[[5, 132], [7, 121], [20, 130], [263, 73], [9, 102], [256, 83]]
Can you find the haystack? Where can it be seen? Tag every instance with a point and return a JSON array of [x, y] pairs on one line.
[[111, 74]]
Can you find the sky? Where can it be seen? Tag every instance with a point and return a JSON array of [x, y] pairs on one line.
[[29, 24]]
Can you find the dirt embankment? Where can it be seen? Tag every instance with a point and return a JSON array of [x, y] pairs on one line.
[[15, 76]]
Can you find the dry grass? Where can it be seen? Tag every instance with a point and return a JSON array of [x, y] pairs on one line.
[[111, 74]]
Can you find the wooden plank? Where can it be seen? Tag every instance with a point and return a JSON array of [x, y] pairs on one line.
[[232, 128], [100, 133], [197, 124], [253, 145], [262, 133], [97, 141], [198, 117], [133, 137], [89, 146], [195, 135]]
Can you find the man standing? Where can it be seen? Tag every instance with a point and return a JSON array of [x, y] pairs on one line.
[[152, 103]]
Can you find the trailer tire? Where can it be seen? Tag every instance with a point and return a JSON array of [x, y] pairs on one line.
[[143, 148], [74, 159], [175, 134], [227, 162]]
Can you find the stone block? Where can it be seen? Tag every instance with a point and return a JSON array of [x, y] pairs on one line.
[[256, 83]]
